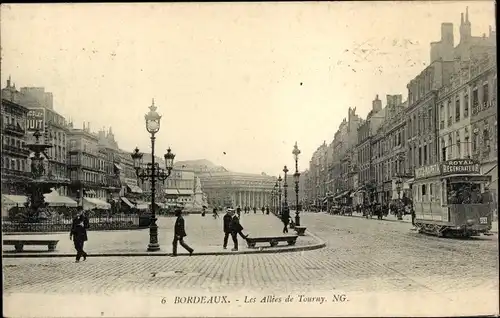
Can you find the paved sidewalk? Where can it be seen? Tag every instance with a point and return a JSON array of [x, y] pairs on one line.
[[204, 235]]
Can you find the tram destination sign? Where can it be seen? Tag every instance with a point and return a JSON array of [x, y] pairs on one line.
[[460, 166]]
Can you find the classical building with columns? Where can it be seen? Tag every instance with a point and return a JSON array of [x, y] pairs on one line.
[[225, 188]]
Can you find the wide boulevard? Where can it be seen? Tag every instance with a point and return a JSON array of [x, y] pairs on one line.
[[361, 256]]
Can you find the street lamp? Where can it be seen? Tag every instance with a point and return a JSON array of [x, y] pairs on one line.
[[278, 183], [296, 177], [398, 189], [285, 186], [273, 199], [152, 171]]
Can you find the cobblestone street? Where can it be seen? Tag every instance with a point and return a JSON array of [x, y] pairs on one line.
[[361, 256]]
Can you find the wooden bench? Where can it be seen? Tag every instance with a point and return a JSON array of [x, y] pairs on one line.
[[301, 230], [19, 244], [272, 240]]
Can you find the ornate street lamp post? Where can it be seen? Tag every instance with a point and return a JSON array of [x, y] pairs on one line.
[[273, 193], [398, 189], [296, 177], [285, 186], [278, 183], [152, 171]]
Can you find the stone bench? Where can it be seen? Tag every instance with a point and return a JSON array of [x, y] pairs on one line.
[[19, 244], [301, 230], [272, 240]]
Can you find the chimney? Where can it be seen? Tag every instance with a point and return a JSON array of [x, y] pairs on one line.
[[376, 104]]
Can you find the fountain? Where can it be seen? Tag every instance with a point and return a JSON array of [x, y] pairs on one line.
[[41, 183]]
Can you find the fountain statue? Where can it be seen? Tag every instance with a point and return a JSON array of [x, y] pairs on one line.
[[198, 198], [40, 183]]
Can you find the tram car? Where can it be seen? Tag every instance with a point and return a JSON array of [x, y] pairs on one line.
[[449, 199]]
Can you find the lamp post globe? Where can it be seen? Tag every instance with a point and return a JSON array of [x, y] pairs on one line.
[[152, 119]]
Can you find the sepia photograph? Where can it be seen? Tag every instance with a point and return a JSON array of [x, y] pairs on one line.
[[249, 159]]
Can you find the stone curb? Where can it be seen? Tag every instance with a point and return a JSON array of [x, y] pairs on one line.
[[309, 247]]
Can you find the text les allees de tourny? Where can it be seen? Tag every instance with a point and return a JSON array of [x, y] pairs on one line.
[[269, 299]]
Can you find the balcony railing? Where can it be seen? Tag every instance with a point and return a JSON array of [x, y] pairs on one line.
[[16, 149], [15, 129]]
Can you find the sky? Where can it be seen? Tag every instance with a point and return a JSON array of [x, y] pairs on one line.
[[236, 83]]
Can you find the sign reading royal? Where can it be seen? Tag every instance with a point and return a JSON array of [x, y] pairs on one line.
[[35, 120], [461, 166]]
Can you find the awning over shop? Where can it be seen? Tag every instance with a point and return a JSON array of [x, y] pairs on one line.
[[142, 206], [172, 191], [54, 199], [93, 203], [185, 191], [118, 167], [127, 202], [340, 195], [13, 200], [134, 188]]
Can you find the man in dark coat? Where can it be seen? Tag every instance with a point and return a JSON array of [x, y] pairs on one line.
[[236, 228], [180, 234], [285, 218], [267, 209], [78, 234], [227, 226], [238, 211]]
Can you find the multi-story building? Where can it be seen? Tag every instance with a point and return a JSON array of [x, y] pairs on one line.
[[389, 164], [366, 132], [483, 88], [344, 142], [316, 170], [87, 168], [42, 117], [15, 170]]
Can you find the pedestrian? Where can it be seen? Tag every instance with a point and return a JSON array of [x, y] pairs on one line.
[[263, 210], [236, 228], [267, 210], [203, 211], [215, 214], [78, 234], [254, 210], [180, 234], [285, 218], [227, 226], [238, 210]]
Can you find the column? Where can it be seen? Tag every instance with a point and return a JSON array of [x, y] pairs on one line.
[[239, 200]]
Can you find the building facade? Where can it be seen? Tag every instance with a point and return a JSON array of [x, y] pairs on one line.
[[15, 168]]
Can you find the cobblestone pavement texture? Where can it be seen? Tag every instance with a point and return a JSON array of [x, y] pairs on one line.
[[204, 235], [361, 255]]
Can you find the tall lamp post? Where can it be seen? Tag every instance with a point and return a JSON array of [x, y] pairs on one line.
[[398, 188], [152, 171], [296, 177], [278, 183], [285, 186]]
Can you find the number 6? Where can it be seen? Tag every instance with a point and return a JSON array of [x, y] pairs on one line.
[[163, 301]]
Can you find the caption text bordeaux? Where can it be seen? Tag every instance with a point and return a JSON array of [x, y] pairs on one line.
[[264, 300]]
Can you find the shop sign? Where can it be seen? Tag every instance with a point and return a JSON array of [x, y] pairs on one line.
[[461, 166], [427, 171]]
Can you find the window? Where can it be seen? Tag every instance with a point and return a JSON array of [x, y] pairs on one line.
[[429, 118], [486, 96], [475, 101], [486, 139], [457, 108], [443, 150], [466, 105], [419, 156], [459, 150], [450, 144], [425, 154], [424, 191]]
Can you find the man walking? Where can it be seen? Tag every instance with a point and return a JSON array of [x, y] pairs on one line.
[[79, 234], [285, 218], [227, 227], [236, 228], [180, 234]]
